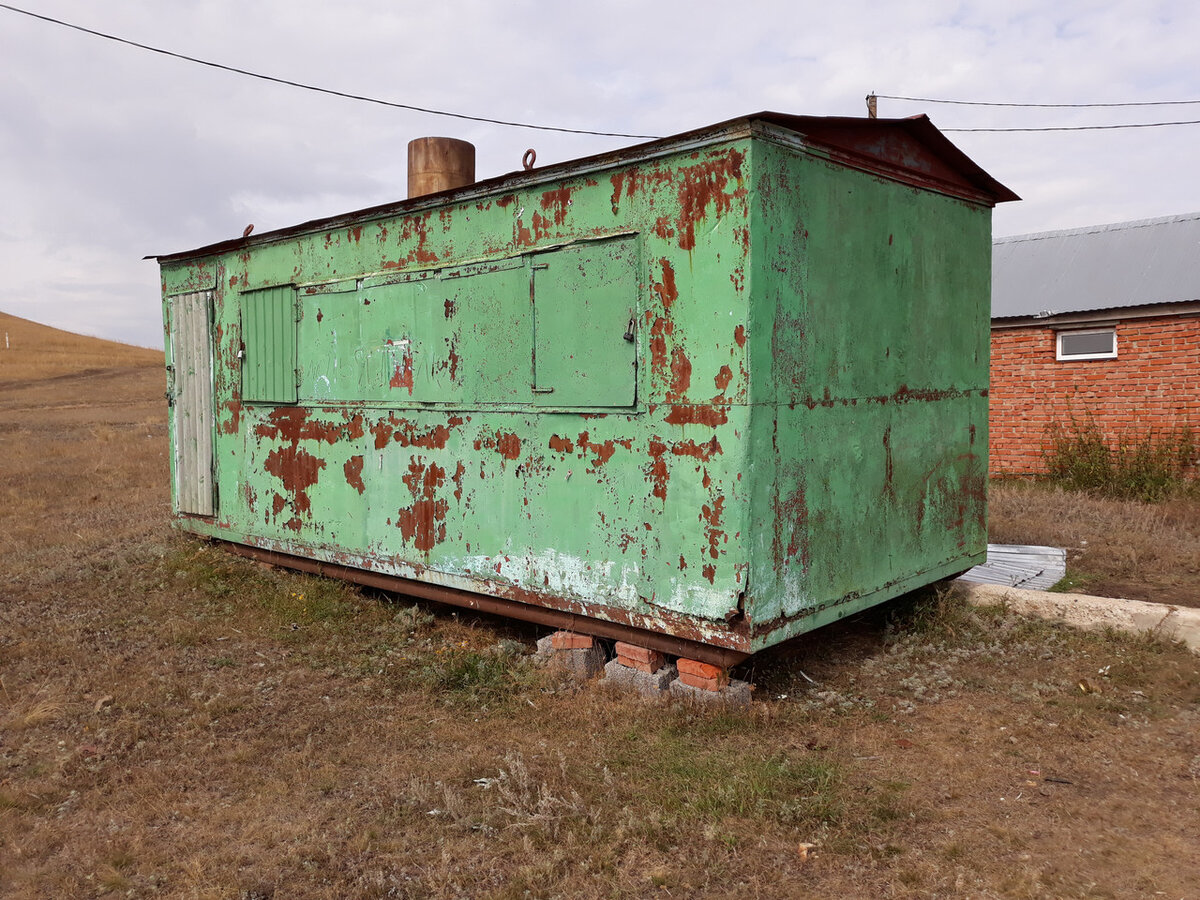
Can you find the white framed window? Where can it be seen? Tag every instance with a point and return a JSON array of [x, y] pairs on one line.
[[1092, 343]]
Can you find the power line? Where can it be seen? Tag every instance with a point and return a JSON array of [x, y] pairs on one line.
[[1044, 105], [316, 88], [1081, 127]]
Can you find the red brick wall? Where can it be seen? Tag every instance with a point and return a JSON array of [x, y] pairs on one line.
[[1153, 383]]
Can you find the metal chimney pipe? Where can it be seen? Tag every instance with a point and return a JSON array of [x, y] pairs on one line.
[[439, 164]]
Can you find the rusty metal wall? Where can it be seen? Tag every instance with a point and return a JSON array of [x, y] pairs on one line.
[[727, 392]]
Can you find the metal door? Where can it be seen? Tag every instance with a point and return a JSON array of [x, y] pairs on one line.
[[190, 390], [585, 318]]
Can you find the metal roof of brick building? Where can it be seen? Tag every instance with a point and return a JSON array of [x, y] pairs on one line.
[[1140, 263]]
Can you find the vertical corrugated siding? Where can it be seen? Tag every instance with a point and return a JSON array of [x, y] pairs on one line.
[[269, 333], [191, 355]]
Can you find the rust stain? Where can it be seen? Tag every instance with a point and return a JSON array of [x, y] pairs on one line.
[[685, 414], [741, 234], [903, 394], [704, 185], [450, 308], [234, 421], [424, 523], [667, 290], [702, 452], [293, 424], [557, 202], [457, 478], [403, 376], [660, 330], [681, 375], [561, 444], [618, 183], [698, 187], [791, 518], [723, 378], [508, 445], [383, 433], [414, 228], [710, 572], [659, 473], [353, 468], [604, 452], [407, 434], [739, 335], [711, 515], [298, 470]]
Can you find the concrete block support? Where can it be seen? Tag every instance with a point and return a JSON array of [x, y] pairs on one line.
[[734, 693], [648, 684], [578, 654]]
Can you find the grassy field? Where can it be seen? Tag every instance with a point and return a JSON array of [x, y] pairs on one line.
[[176, 722], [29, 351]]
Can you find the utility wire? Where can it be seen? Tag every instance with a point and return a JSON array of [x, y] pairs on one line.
[[1045, 105], [315, 88], [1081, 127]]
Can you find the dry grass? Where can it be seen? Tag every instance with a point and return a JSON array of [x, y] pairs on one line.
[[276, 735], [1116, 548], [29, 351]]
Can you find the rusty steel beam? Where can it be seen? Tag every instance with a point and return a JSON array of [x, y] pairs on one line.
[[539, 615]]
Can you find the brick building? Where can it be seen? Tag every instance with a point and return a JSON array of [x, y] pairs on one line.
[[1101, 323]]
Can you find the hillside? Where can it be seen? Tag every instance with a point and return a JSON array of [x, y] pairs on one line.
[[32, 352]]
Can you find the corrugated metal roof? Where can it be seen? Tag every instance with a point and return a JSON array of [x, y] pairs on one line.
[[1102, 267], [1020, 565]]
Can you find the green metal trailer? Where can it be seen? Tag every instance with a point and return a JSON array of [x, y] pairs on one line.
[[702, 394]]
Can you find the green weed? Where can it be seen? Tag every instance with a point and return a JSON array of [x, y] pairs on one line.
[[1149, 467], [473, 675]]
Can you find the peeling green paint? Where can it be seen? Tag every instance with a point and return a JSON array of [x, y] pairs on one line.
[[738, 386]]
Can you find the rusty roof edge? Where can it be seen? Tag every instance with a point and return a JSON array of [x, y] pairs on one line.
[[920, 127], [742, 126], [871, 164]]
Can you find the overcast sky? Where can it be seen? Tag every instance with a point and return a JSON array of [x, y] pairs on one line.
[[109, 153]]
